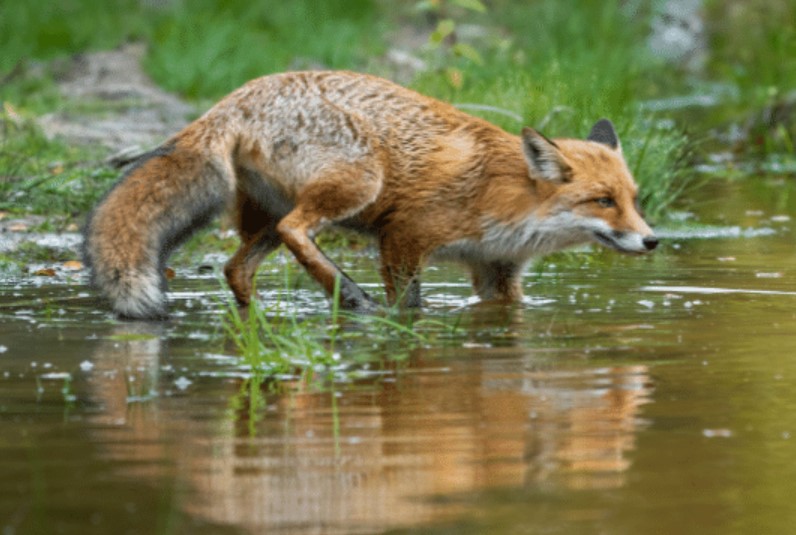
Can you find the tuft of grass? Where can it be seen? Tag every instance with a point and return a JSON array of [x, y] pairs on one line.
[[658, 155], [43, 176], [30, 252], [273, 343]]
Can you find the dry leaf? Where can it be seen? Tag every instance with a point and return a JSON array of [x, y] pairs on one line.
[[12, 114], [72, 265], [45, 272]]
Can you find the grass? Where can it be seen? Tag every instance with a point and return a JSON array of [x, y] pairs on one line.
[[274, 341], [763, 63], [42, 30], [753, 51], [243, 40], [43, 176]]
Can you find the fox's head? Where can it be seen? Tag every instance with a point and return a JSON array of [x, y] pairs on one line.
[[593, 193]]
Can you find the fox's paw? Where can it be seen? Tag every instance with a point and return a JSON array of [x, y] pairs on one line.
[[367, 306], [355, 299]]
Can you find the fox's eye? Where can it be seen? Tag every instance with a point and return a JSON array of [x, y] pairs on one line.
[[605, 202]]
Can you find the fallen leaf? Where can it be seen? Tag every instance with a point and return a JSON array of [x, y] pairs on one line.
[[45, 272], [455, 77], [72, 265], [18, 227], [169, 273], [12, 113]]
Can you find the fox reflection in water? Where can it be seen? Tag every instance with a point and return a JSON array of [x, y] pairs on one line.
[[370, 455]]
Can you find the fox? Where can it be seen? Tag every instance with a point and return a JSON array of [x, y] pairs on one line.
[[290, 154]]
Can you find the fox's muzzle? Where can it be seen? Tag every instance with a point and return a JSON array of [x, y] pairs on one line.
[[626, 242]]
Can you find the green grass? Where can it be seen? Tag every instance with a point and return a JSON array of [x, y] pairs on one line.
[[763, 62], [44, 176], [216, 46], [43, 30], [753, 49], [275, 341]]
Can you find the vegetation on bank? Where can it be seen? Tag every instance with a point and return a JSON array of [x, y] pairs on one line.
[[753, 52]]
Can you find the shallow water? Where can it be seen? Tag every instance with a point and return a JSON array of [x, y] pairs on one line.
[[625, 395]]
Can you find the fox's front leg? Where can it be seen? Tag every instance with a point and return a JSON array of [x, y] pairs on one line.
[[324, 201], [497, 280]]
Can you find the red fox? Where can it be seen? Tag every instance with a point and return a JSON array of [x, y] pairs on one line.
[[295, 152]]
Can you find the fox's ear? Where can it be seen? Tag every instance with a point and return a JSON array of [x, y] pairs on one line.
[[544, 158], [603, 132]]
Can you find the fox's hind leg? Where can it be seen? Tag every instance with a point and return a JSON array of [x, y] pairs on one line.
[[497, 280], [401, 263], [257, 229], [343, 191]]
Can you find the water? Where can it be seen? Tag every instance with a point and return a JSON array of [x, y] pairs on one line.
[[626, 395]]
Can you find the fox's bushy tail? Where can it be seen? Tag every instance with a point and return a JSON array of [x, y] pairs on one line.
[[167, 195]]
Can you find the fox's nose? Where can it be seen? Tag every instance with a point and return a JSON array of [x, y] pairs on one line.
[[650, 242]]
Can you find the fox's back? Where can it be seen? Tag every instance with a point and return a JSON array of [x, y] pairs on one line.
[[315, 95], [289, 120]]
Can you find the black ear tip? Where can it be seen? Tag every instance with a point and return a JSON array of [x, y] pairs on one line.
[[604, 132]]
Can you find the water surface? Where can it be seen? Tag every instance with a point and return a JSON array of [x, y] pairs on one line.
[[625, 395]]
